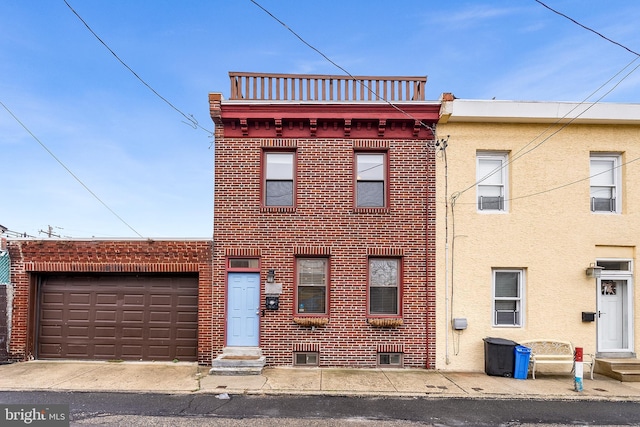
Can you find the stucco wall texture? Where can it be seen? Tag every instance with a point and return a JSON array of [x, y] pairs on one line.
[[548, 231]]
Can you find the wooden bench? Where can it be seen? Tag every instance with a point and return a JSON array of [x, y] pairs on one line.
[[554, 352]]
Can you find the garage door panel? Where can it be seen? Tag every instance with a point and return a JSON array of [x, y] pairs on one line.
[[130, 332], [130, 351], [105, 315], [160, 316], [53, 298], [78, 331], [161, 300], [79, 299], [159, 333], [51, 348], [185, 353], [106, 299], [133, 316], [159, 352], [187, 300], [104, 351], [51, 330], [187, 317], [75, 314], [77, 350], [52, 314], [118, 317], [133, 300], [104, 332], [187, 333]]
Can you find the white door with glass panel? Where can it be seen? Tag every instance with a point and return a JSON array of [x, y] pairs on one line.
[[614, 316]]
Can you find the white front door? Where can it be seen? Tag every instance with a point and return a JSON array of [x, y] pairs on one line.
[[613, 320]]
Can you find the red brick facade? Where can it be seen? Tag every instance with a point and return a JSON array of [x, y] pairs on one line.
[[324, 222], [31, 258]]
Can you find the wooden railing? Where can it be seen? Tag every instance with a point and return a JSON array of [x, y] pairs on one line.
[[307, 87]]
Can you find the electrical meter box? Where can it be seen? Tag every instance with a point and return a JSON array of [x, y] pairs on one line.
[[459, 323]]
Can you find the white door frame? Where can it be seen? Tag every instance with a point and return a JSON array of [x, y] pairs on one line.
[[626, 311]]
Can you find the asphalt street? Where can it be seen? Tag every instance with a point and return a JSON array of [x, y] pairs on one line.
[[141, 409]]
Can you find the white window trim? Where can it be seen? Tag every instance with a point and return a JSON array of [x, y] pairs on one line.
[[622, 273], [617, 177], [521, 290], [384, 180], [503, 157]]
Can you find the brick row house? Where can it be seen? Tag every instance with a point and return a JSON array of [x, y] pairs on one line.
[[324, 224], [326, 250]]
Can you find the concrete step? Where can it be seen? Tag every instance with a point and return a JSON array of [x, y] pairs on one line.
[[242, 351], [627, 376], [238, 361], [625, 370]]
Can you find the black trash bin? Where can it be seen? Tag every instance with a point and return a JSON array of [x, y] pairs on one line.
[[499, 357]]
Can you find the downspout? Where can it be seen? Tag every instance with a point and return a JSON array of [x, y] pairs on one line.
[[446, 249]]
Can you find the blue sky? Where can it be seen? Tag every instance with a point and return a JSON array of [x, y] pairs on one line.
[[155, 173]]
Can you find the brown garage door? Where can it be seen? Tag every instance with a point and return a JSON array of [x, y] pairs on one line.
[[118, 317]]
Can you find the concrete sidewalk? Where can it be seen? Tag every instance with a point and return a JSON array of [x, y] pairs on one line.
[[157, 377]]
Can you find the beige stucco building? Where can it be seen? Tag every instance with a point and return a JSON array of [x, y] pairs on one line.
[[531, 194]]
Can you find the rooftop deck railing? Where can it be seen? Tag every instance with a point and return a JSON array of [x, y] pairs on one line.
[[307, 87]]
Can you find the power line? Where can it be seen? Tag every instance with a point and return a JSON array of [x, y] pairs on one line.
[[192, 121], [559, 187], [68, 170], [587, 28], [342, 68], [563, 117], [516, 156]]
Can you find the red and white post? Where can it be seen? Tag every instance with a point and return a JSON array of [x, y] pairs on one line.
[[578, 369]]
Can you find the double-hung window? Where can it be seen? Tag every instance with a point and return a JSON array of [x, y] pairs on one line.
[[384, 286], [605, 183], [508, 287], [279, 178], [311, 289], [491, 176], [371, 180]]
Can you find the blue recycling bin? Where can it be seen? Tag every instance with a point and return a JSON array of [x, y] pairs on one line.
[[521, 363]]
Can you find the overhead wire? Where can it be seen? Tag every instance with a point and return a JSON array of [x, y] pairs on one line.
[[584, 101], [517, 155], [192, 121], [68, 170], [574, 182], [587, 28], [361, 82]]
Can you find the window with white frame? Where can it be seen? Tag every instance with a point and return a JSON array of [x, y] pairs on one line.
[[384, 286], [279, 185], [491, 176], [605, 183], [311, 285], [508, 287], [371, 180]]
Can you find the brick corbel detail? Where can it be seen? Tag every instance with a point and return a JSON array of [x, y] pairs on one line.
[[313, 127], [94, 267], [416, 128], [278, 123], [382, 126]]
